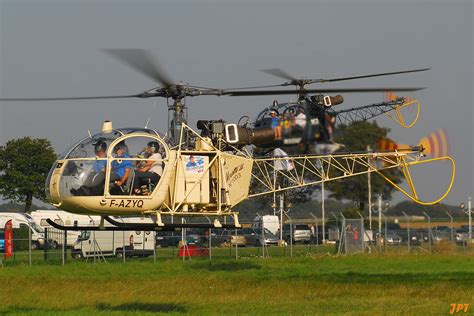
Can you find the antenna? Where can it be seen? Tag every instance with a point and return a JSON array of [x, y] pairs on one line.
[[149, 117]]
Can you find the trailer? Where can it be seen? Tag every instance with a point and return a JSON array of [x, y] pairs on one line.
[[23, 221], [60, 217]]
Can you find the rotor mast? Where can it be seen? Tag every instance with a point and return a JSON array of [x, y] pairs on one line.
[[177, 115]]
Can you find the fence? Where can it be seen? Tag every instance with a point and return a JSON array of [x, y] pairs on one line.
[[337, 235]]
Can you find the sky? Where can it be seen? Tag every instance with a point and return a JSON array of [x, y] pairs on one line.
[[54, 48]]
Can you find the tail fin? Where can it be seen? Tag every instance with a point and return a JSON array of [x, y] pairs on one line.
[[409, 104]]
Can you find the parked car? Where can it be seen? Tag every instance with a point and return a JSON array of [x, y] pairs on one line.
[[415, 236], [462, 235], [443, 228], [254, 237], [301, 233], [172, 238], [167, 239], [227, 237], [441, 235], [392, 238]]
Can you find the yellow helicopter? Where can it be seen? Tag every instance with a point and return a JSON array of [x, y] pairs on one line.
[[207, 173]]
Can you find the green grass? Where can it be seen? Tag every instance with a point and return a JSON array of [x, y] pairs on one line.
[[318, 284]]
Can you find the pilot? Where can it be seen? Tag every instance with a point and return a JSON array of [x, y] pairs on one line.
[[94, 184], [152, 170], [121, 168]]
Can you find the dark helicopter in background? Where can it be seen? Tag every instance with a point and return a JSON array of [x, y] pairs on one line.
[[307, 125]]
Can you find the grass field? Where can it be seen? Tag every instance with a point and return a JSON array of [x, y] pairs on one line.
[[316, 284]]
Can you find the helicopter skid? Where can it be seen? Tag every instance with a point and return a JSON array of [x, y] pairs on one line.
[[117, 226]]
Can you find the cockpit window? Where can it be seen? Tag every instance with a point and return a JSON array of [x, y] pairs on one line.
[[85, 147], [137, 166], [90, 147], [132, 166]]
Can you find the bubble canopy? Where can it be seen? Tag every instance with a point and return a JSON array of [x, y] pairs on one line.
[[86, 147], [110, 164]]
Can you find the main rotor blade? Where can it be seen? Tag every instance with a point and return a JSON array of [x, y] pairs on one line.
[[322, 91], [279, 73], [73, 98], [142, 61], [369, 76]]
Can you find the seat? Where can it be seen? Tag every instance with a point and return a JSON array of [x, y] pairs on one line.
[[125, 188]]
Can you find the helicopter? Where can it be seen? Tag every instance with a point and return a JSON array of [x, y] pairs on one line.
[[207, 173], [307, 125]]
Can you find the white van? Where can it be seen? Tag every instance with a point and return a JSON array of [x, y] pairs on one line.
[[70, 219], [21, 219], [114, 243], [270, 222]]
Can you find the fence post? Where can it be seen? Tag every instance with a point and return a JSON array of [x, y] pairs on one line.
[[183, 240], [291, 235], [430, 233], [209, 238], [337, 219], [314, 231], [29, 243], [362, 232], [236, 245], [46, 243], [342, 238], [452, 230], [408, 230], [385, 237], [65, 247]]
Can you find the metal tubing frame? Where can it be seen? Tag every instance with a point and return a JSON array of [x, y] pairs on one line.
[[321, 168]]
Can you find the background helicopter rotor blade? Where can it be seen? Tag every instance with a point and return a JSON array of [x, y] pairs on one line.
[[369, 76], [322, 91], [73, 98], [143, 62], [279, 73]]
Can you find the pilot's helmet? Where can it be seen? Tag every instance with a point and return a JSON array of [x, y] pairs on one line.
[[121, 145], [99, 146], [155, 147]]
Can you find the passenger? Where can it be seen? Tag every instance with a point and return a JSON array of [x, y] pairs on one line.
[[276, 125], [94, 184], [120, 168], [300, 119], [151, 172]]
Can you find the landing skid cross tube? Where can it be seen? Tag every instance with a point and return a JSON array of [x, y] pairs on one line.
[[136, 227]]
